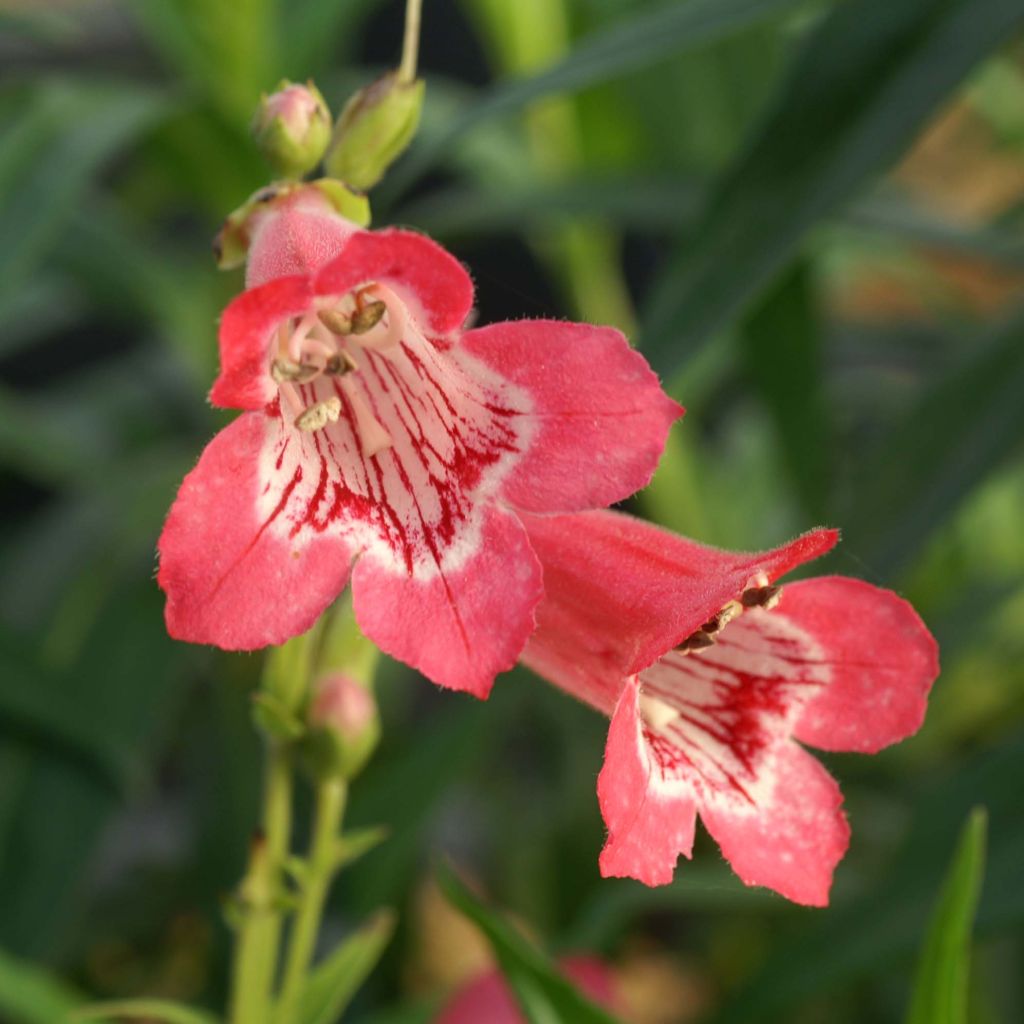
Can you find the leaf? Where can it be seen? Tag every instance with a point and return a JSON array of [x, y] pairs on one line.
[[940, 987], [30, 995], [63, 134], [780, 345], [357, 843], [152, 1009], [543, 994], [336, 980], [860, 87], [964, 427], [649, 36]]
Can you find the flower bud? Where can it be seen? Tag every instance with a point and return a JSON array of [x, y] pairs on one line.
[[292, 128], [374, 129], [344, 726]]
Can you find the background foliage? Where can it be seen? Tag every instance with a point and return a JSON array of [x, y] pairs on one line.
[[807, 214]]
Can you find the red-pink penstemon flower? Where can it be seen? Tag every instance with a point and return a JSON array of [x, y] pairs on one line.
[[488, 999], [713, 676], [376, 430]]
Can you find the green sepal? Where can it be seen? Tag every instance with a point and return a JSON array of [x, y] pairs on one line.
[[374, 129], [346, 200]]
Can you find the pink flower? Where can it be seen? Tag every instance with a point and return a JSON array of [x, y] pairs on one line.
[[713, 676], [376, 431], [488, 999]]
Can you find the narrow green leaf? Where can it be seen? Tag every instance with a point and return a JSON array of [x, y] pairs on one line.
[[30, 995], [336, 980], [152, 1009], [357, 843], [940, 987], [544, 995], [780, 344], [651, 35], [63, 135], [964, 427], [857, 92]]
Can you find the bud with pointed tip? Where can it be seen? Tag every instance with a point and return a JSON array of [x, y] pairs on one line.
[[374, 129], [292, 128]]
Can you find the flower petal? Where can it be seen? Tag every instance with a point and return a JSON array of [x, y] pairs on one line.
[[649, 825], [459, 624], [233, 577], [297, 234], [245, 334], [882, 657], [600, 417], [793, 837], [432, 282], [619, 592]]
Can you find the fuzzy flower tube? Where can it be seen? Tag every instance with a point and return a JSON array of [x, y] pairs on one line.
[[381, 440], [714, 676]]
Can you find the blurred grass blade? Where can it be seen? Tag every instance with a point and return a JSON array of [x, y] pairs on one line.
[[940, 987], [29, 995], [780, 345], [862, 84], [651, 35], [544, 995], [336, 980], [968, 424], [160, 1011], [61, 137]]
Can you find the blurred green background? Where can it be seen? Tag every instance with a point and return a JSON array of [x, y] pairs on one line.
[[807, 215]]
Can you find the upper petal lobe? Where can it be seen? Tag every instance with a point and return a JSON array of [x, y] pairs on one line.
[[599, 415]]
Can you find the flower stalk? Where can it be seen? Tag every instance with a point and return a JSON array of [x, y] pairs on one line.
[[410, 42], [259, 932], [321, 867]]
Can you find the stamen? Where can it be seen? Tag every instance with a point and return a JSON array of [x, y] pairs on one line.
[[317, 416], [339, 364], [365, 318], [335, 321], [761, 597], [285, 371], [718, 622], [698, 641]]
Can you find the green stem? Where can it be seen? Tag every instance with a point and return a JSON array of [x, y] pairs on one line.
[[411, 42], [330, 807], [260, 931]]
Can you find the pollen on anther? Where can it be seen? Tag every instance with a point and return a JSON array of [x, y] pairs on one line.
[[316, 417]]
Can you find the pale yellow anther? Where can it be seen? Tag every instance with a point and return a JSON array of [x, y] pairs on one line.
[[366, 317], [335, 321], [317, 416], [284, 371]]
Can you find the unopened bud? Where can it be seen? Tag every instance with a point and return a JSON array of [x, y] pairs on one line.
[[292, 128], [374, 129], [344, 726]]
